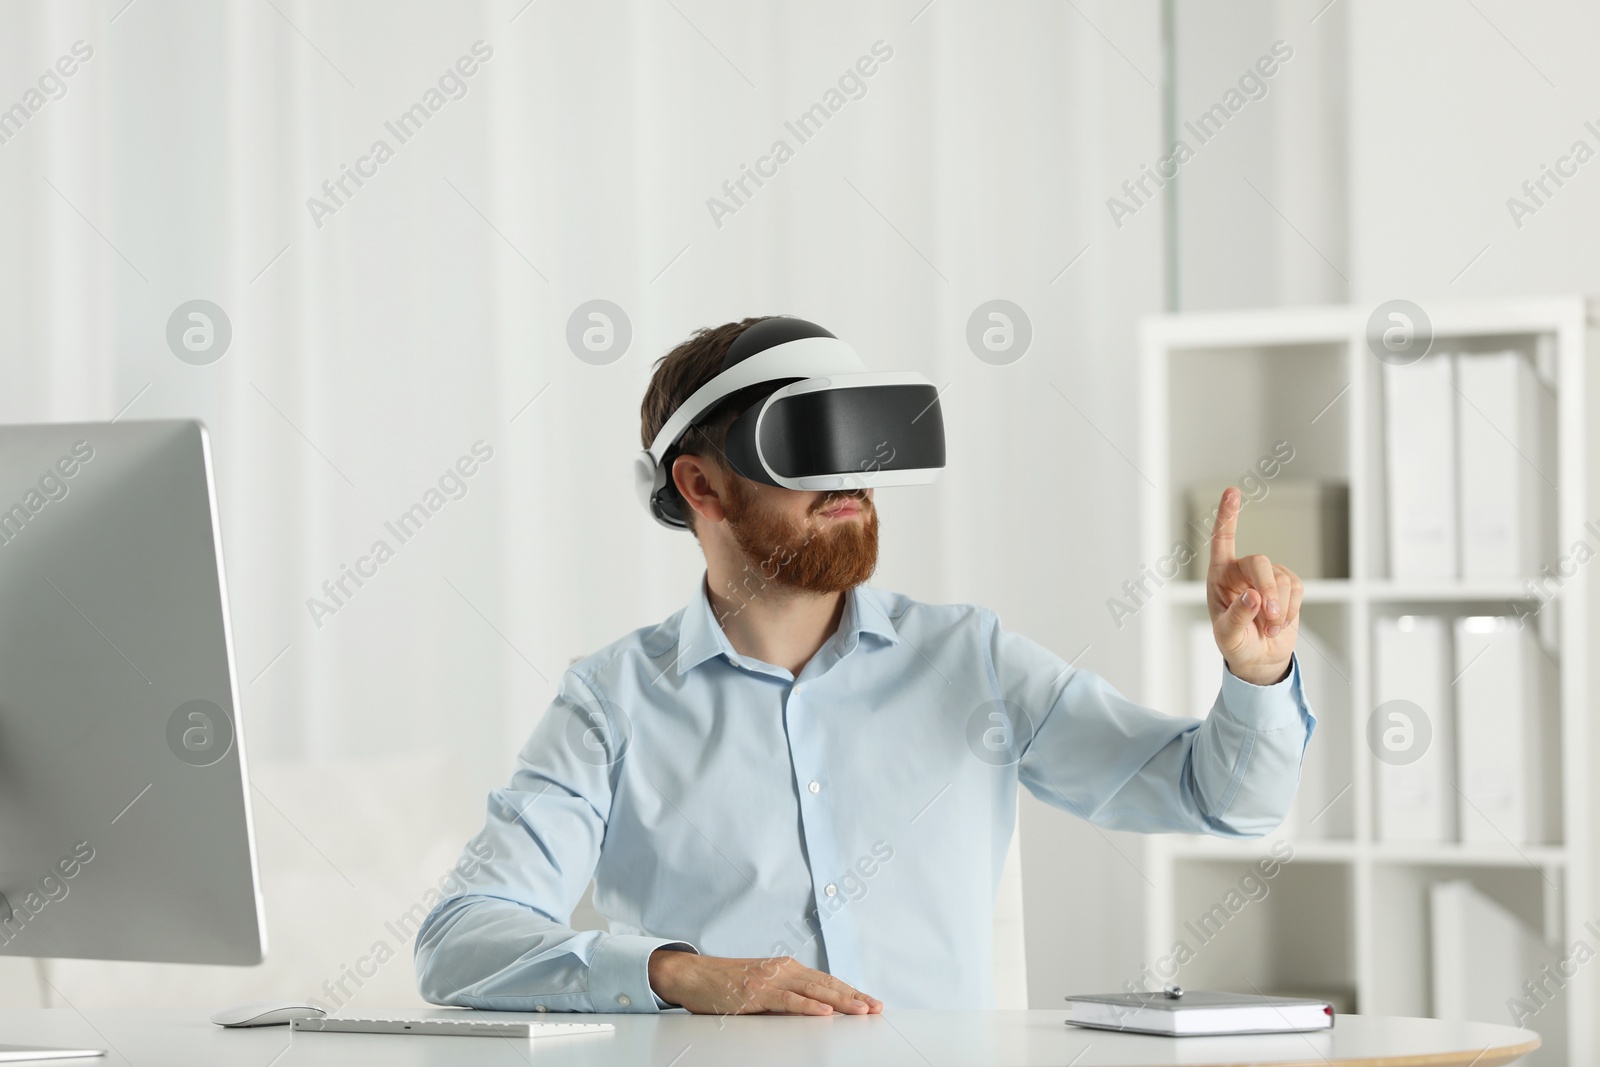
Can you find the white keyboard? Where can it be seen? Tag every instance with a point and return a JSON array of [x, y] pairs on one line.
[[469, 1026]]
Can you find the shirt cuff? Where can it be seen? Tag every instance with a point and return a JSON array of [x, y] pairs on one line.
[[619, 973], [1264, 707]]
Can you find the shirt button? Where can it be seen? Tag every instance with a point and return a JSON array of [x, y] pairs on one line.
[[540, 1007], [831, 889], [814, 787], [624, 999]]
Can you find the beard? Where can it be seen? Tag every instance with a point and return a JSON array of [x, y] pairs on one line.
[[814, 555]]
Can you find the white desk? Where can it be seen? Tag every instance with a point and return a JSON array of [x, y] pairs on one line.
[[184, 1037]]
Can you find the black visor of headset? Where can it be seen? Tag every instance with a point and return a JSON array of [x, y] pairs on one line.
[[827, 423]]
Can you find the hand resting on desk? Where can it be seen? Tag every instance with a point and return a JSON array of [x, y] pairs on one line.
[[713, 985]]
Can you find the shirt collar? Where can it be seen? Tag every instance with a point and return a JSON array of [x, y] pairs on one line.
[[700, 635]]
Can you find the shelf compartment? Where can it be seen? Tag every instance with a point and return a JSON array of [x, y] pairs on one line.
[[1290, 395], [1401, 921], [1289, 934]]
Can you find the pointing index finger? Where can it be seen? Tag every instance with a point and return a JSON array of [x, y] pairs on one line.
[[1222, 531]]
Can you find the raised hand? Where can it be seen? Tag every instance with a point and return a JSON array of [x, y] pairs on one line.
[[1254, 603]]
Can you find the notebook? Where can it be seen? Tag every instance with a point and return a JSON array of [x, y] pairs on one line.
[[1198, 1012]]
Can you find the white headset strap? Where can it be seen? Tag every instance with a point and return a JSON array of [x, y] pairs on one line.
[[805, 357]]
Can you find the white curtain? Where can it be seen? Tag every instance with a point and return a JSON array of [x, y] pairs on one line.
[[380, 336]]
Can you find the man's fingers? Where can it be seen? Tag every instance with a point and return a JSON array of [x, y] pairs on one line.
[[849, 990], [1258, 572], [781, 984], [831, 990], [1230, 627], [795, 1003], [1223, 529], [1291, 615], [839, 999], [1286, 603]]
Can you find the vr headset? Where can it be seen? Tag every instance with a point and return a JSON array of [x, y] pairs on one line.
[[821, 420]]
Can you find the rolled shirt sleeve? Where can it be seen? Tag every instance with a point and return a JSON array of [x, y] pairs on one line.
[[502, 942], [1087, 749]]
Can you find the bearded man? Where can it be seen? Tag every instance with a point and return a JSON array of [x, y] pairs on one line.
[[795, 794]]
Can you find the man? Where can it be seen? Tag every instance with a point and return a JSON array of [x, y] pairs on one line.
[[795, 794]]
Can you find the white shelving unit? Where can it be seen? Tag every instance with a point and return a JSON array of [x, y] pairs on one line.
[[1348, 915]]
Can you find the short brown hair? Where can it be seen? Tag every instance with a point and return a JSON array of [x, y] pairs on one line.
[[677, 375]]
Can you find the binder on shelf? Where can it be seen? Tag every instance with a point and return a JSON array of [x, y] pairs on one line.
[[1415, 800], [1508, 766], [1502, 417], [1419, 411]]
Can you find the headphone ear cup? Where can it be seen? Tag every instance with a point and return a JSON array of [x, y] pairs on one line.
[[669, 508], [654, 492]]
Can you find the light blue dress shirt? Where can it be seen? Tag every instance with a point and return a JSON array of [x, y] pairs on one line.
[[855, 817]]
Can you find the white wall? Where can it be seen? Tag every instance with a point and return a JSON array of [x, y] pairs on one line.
[[1261, 216], [1451, 110], [423, 316]]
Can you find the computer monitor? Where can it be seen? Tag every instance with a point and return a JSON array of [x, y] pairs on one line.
[[125, 828]]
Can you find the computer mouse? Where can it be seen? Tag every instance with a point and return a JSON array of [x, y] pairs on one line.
[[266, 1013]]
